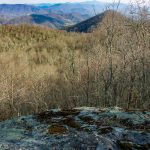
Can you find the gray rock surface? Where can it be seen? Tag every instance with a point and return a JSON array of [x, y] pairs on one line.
[[78, 129]]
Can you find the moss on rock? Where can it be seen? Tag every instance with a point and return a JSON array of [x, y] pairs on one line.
[[127, 145], [87, 119], [57, 129], [72, 123]]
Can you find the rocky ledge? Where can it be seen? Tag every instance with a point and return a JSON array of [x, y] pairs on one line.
[[78, 129]]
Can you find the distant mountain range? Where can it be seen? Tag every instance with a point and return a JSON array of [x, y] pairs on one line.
[[38, 19], [11, 11], [93, 23], [52, 15]]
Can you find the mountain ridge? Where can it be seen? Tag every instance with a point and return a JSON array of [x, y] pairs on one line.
[[92, 23], [70, 13]]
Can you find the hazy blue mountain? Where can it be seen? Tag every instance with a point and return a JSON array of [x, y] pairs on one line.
[[82, 8], [38, 19], [43, 5], [90, 7], [13, 10], [94, 22], [85, 8], [52, 15], [87, 25], [52, 20]]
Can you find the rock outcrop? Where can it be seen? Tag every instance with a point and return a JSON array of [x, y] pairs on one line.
[[78, 129]]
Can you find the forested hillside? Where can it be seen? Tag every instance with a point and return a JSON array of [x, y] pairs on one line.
[[41, 68]]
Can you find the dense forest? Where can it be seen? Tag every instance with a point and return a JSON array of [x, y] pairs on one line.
[[42, 68]]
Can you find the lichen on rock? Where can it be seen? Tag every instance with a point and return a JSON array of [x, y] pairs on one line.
[[82, 128]]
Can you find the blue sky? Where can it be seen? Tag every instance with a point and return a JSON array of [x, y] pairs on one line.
[[52, 1]]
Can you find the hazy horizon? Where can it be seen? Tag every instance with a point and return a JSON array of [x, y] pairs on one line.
[[56, 1]]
